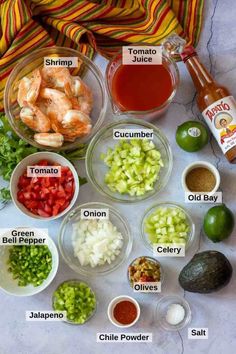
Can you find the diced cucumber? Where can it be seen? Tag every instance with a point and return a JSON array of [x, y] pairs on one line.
[[134, 167]]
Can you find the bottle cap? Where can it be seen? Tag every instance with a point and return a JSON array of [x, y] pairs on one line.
[[188, 52]]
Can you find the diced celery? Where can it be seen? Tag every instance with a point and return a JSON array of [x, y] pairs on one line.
[[167, 225]]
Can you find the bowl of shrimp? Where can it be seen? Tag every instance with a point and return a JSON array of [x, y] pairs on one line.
[[55, 108]]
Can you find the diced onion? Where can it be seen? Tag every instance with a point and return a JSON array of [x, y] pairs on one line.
[[96, 242]]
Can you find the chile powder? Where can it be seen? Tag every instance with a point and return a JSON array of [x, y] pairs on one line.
[[125, 312], [141, 87]]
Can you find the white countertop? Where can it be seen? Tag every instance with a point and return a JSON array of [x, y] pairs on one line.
[[217, 49]]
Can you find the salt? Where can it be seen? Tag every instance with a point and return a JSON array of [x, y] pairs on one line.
[[175, 314]]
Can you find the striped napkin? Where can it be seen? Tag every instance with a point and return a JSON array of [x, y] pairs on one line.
[[91, 26]]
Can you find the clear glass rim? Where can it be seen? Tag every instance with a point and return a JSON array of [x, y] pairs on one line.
[[78, 281], [155, 109], [177, 299], [93, 272], [47, 51], [98, 136], [153, 260], [144, 238]]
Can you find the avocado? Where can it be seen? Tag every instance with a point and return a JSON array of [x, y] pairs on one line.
[[207, 272]]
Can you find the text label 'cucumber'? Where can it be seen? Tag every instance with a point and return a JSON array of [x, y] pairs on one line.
[[132, 134]]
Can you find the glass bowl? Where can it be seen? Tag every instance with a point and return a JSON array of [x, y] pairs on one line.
[[144, 235], [151, 259], [72, 282], [90, 74], [10, 285], [66, 245], [162, 308], [96, 168], [151, 114], [33, 159]]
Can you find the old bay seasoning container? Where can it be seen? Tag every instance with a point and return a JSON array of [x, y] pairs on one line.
[[215, 102]]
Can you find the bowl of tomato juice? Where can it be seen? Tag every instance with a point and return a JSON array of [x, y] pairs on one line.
[[141, 91]]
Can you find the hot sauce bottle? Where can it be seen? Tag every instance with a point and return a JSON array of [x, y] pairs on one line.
[[215, 102]]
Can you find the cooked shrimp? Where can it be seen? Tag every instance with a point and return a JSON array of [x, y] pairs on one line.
[[83, 98], [35, 119], [49, 139], [57, 103], [74, 124], [58, 78], [29, 88]]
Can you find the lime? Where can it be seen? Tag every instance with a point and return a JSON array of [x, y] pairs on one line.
[[192, 136], [218, 223]]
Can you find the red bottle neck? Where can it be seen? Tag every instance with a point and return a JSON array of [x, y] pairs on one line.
[[200, 75]]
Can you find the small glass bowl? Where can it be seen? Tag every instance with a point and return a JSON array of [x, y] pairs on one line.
[[162, 308], [151, 259], [96, 168], [90, 74], [144, 235], [115, 63], [66, 246], [72, 282]]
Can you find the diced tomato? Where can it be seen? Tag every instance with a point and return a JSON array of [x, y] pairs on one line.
[[31, 204], [62, 179], [50, 201], [43, 213], [42, 163], [69, 187], [61, 192], [64, 206], [34, 180], [20, 197], [60, 202], [48, 209], [46, 196], [23, 182], [27, 195], [40, 205], [53, 180], [46, 181], [64, 170], [55, 209], [36, 187], [54, 191]]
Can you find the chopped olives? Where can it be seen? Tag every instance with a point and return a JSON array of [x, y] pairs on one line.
[[144, 269]]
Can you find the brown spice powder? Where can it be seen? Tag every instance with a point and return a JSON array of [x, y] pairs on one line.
[[200, 179]]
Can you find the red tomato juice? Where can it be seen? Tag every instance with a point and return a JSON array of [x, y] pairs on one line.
[[141, 87]]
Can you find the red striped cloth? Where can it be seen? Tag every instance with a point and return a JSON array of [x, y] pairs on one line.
[[89, 26]]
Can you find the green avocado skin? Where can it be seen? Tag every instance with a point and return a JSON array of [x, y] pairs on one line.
[[207, 272], [218, 223]]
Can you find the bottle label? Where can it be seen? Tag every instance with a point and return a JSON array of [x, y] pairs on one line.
[[221, 119]]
